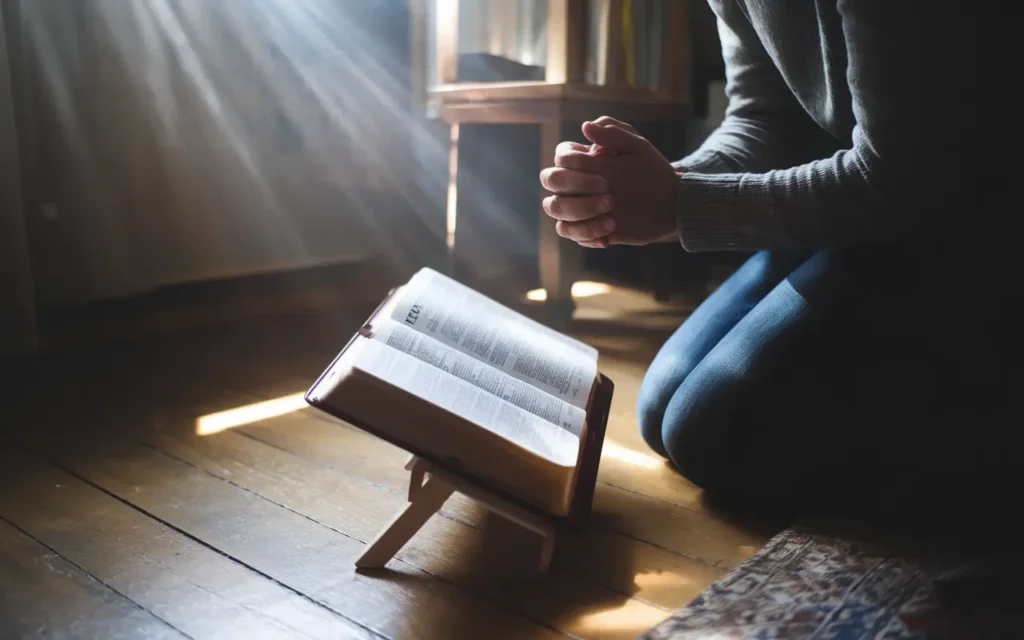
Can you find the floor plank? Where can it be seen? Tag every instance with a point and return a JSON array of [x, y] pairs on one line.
[[679, 530], [625, 560], [44, 596], [628, 467], [186, 584], [296, 496], [289, 547], [445, 548]]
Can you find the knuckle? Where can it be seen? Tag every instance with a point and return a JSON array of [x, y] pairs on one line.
[[576, 161], [578, 231], [556, 206], [566, 161], [549, 178], [549, 205], [564, 148], [573, 231], [558, 180]]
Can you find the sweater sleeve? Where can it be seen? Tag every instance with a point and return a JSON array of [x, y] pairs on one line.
[[764, 126], [910, 75]]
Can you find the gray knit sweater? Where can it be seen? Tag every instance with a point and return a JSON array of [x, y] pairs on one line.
[[848, 122]]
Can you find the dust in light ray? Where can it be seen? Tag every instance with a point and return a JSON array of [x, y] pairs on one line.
[[240, 416], [292, 117]]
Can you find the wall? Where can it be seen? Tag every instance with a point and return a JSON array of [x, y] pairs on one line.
[[180, 140], [17, 309]]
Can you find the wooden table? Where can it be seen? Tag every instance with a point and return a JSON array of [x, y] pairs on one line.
[[549, 106]]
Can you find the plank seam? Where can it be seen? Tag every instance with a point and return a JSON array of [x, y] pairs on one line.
[[460, 587], [600, 527], [92, 576], [205, 544], [342, 471]]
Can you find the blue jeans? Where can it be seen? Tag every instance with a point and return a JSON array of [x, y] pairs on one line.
[[808, 375]]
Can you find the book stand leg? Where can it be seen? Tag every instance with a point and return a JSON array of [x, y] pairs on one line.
[[517, 542]]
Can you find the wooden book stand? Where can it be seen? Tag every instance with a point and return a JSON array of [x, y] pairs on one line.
[[518, 541], [510, 527]]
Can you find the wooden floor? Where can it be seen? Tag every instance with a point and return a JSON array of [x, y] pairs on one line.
[[118, 521]]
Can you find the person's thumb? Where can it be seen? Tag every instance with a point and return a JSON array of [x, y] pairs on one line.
[[612, 138]]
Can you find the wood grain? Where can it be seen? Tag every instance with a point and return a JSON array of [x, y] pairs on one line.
[[43, 596], [444, 548], [347, 450], [679, 49], [269, 517], [190, 586], [285, 545], [566, 33], [422, 505], [533, 90], [681, 530]]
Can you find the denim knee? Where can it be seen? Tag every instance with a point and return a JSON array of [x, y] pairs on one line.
[[655, 393], [698, 428], [682, 422]]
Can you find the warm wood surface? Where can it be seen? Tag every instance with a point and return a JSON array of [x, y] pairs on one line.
[[117, 520]]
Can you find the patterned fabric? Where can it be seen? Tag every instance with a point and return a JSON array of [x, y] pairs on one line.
[[810, 586]]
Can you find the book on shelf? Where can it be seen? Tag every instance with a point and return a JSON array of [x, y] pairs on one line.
[[466, 383]]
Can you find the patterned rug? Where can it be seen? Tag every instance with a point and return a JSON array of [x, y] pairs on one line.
[[812, 586]]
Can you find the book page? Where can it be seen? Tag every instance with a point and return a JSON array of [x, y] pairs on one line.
[[467, 401], [475, 325], [432, 278], [491, 380]]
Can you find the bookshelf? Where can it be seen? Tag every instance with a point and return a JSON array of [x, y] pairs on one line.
[[549, 63]]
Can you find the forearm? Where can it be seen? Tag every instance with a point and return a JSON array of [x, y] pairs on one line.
[[758, 142], [849, 198], [777, 209], [912, 157]]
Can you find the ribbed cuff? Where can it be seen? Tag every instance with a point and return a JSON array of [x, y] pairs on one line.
[[714, 213], [702, 163]]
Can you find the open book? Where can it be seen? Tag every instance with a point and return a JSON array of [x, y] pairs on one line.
[[452, 376]]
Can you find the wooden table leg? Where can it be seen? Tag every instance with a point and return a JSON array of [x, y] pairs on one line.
[[560, 260]]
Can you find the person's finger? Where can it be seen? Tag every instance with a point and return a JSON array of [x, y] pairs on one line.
[[586, 230], [613, 139], [608, 120], [571, 147], [586, 162], [575, 208], [567, 182], [600, 243]]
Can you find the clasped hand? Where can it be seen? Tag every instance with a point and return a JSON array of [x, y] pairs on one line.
[[618, 190]]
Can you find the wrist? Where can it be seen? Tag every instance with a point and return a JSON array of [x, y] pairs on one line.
[[672, 233]]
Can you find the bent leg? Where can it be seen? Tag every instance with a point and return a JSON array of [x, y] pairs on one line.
[[720, 411], [702, 331], [807, 401]]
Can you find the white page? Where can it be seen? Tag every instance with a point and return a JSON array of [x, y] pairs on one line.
[[495, 382], [471, 323], [435, 278], [467, 401]]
